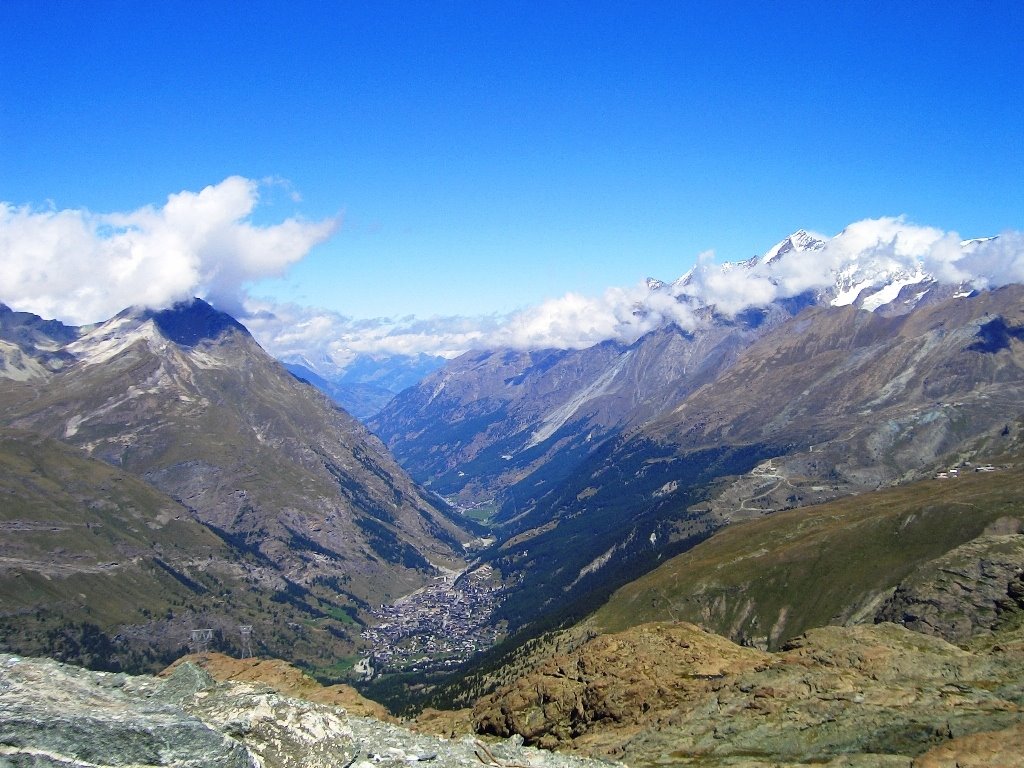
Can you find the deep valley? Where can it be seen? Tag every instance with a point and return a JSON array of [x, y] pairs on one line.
[[787, 535]]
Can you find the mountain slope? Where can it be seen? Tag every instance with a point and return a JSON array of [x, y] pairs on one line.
[[835, 401], [364, 383], [766, 581], [872, 399], [98, 568], [492, 421], [360, 400], [185, 399]]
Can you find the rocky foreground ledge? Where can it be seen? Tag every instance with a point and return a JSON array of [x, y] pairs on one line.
[[57, 715], [671, 694]]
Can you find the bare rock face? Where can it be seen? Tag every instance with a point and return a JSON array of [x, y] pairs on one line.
[[672, 694], [613, 680], [963, 593], [53, 715]]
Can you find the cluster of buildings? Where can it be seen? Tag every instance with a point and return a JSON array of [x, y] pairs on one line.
[[954, 472], [437, 627]]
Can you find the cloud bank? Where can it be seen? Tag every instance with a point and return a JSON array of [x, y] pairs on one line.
[[330, 341], [861, 257], [82, 267]]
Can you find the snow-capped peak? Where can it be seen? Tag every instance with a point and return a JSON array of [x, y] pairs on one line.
[[680, 283], [799, 241]]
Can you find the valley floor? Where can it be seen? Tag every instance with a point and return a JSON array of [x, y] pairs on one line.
[[437, 627]]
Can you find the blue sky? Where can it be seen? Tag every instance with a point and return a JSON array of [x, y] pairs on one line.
[[482, 157]]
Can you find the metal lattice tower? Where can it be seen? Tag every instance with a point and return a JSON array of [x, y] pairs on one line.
[[246, 631], [201, 640]]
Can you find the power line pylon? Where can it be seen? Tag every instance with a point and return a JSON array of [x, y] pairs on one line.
[[246, 631], [201, 640]]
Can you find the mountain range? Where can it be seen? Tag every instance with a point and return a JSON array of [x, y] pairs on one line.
[[797, 453], [367, 382], [241, 452], [599, 463]]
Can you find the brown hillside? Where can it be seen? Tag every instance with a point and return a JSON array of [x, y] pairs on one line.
[[285, 679], [671, 694]]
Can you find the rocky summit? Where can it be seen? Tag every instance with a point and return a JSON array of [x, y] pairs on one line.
[[55, 715]]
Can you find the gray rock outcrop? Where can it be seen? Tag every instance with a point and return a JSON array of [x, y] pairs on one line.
[[56, 715], [964, 593]]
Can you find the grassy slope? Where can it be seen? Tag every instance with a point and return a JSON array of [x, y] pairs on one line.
[[98, 568], [778, 576]]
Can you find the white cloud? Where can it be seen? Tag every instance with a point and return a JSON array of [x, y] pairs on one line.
[[874, 247], [331, 340], [81, 267], [574, 321], [729, 288], [992, 263], [891, 236]]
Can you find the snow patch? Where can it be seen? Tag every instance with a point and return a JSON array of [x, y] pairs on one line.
[[890, 291], [848, 296], [108, 341]]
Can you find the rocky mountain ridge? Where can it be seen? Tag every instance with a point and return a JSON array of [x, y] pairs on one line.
[[31, 347], [185, 400], [492, 418], [833, 402]]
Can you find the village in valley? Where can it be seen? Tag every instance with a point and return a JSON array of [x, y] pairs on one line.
[[437, 627]]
